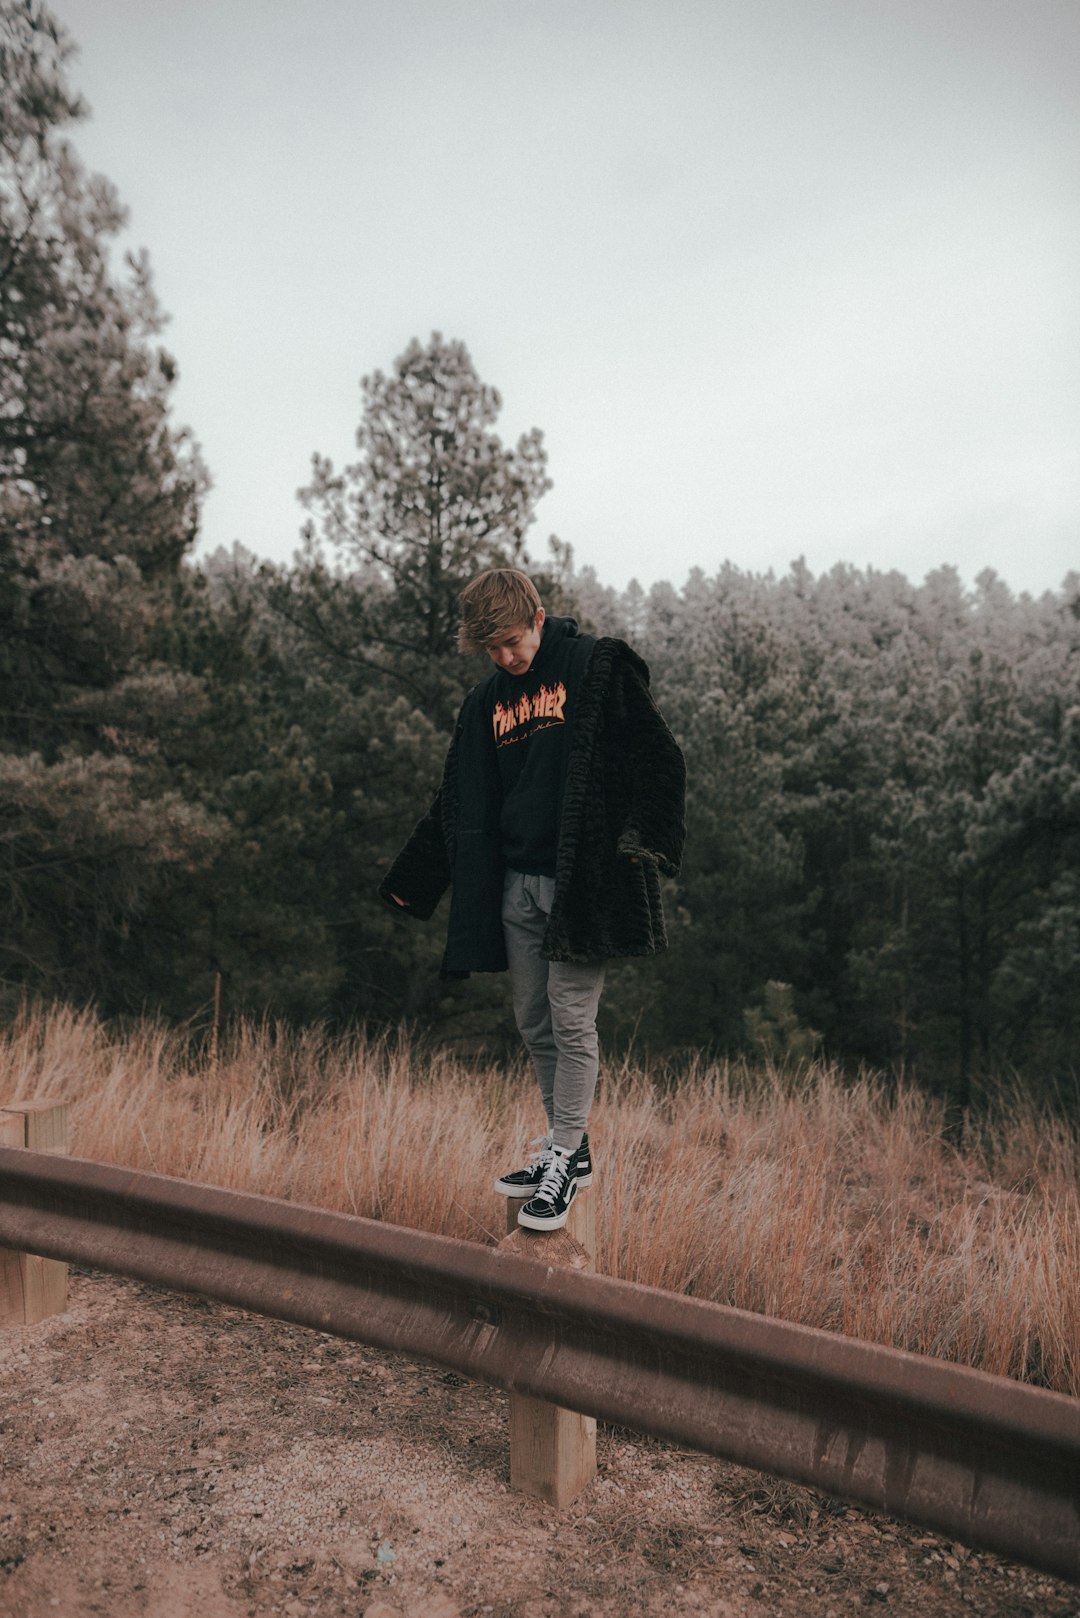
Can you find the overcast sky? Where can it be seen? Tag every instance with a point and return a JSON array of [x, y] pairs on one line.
[[775, 277]]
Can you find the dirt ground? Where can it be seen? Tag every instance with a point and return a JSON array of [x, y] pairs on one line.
[[166, 1456]]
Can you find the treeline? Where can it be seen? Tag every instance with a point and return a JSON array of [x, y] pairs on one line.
[[885, 814], [204, 769]]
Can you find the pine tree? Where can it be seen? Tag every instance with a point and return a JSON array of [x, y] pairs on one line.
[[433, 498], [98, 503]]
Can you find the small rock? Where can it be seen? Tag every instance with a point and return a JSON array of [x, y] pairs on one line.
[[434, 1605], [351, 1555]]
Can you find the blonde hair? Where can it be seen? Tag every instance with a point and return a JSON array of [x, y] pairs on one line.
[[493, 604]]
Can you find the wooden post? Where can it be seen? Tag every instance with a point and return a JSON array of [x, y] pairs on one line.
[[32, 1288], [552, 1451]]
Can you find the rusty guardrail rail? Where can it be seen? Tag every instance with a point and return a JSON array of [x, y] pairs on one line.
[[990, 1462]]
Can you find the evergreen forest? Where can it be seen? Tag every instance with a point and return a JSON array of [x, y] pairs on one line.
[[207, 763]]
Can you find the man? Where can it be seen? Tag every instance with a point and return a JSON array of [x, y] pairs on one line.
[[561, 805]]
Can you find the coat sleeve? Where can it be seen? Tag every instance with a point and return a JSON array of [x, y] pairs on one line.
[[421, 873], [655, 822]]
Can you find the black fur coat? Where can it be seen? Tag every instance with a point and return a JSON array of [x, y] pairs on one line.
[[622, 828]]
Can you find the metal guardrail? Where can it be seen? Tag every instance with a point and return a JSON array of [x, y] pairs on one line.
[[990, 1462]]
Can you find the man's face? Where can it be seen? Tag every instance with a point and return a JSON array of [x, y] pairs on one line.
[[515, 650]]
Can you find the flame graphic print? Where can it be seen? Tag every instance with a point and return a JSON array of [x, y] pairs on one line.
[[515, 721]]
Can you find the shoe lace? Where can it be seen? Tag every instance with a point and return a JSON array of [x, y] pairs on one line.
[[555, 1176], [540, 1149]]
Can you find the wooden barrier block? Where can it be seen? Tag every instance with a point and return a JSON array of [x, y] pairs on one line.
[[552, 1450], [32, 1288], [48, 1125]]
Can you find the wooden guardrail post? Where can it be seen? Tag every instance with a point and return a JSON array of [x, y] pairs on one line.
[[32, 1288], [552, 1451]]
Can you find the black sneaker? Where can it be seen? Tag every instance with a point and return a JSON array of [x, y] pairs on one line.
[[525, 1182], [583, 1164], [548, 1209]]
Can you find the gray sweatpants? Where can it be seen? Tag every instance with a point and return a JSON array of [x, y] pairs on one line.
[[555, 1005]]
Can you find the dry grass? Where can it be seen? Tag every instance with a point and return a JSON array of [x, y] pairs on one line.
[[817, 1200]]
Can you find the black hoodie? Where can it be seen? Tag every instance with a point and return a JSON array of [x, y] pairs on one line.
[[621, 827], [531, 715]]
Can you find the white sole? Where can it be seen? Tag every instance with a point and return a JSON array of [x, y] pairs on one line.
[[524, 1193], [530, 1222]]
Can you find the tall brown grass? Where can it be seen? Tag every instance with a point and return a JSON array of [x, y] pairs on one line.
[[837, 1204]]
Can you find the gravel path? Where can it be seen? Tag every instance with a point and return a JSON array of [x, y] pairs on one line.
[[164, 1456]]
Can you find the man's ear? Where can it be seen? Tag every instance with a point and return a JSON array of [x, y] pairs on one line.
[[538, 621]]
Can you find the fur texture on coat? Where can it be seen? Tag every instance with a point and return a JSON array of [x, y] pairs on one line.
[[622, 828]]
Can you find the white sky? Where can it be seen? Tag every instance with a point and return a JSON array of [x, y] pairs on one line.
[[775, 277]]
